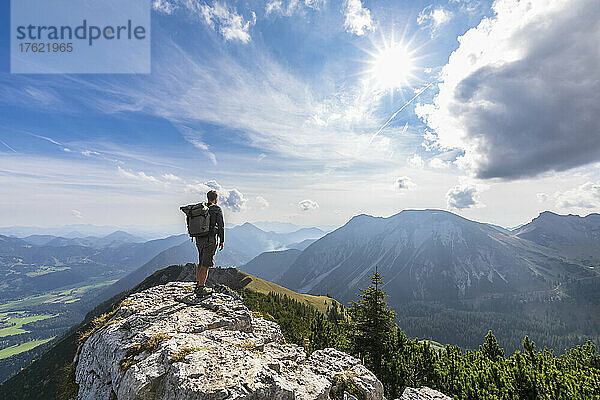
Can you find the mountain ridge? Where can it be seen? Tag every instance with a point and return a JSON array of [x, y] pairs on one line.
[[419, 243]]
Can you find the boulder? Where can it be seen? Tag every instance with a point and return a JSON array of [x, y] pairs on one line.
[[422, 393]]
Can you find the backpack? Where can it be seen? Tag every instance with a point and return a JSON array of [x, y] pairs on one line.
[[198, 219]]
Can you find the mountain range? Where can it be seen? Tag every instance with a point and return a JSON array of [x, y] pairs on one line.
[[111, 240], [242, 243], [449, 279], [434, 254]]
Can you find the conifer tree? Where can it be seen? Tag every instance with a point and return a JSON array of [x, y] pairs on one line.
[[372, 325], [490, 348]]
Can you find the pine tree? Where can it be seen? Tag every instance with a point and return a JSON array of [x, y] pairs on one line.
[[372, 325], [490, 348]]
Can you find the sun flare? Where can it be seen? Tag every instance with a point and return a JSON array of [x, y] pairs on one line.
[[392, 66]]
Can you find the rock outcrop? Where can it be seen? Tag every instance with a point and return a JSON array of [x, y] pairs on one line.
[[165, 343], [422, 393]]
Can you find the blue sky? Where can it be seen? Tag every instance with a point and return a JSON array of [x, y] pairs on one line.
[[276, 104]]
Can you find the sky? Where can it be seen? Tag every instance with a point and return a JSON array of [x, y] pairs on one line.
[[314, 111]]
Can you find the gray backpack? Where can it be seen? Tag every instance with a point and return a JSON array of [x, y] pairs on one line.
[[198, 219]]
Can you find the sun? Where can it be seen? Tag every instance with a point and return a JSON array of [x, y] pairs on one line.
[[392, 66]]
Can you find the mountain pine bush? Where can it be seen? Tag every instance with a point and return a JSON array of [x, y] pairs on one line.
[[366, 330]]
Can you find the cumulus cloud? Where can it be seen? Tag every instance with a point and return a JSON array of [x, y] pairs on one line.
[[262, 202], [464, 195], [433, 18], [415, 161], [233, 199], [358, 18], [404, 183], [308, 205], [521, 94], [77, 214], [584, 196]]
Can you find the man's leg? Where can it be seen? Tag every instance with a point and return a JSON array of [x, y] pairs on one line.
[[201, 274], [201, 270]]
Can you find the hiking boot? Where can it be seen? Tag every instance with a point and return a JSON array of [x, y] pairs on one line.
[[202, 291]]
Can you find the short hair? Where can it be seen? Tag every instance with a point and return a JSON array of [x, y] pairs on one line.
[[212, 195]]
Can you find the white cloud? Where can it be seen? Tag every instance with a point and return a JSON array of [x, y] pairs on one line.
[[358, 18], [433, 18], [214, 185], [542, 197], [289, 7], [67, 150], [464, 195], [230, 198], [171, 177], [520, 94], [274, 7], [89, 153], [438, 163], [235, 200], [164, 6], [404, 183], [197, 143], [218, 16], [46, 139], [268, 105], [415, 161], [261, 156], [262, 202], [584, 196], [230, 24], [140, 175], [308, 205], [77, 214]]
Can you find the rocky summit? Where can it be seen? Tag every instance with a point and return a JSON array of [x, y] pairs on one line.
[[166, 343]]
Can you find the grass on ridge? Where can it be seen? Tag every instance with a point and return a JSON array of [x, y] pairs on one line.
[[261, 286]]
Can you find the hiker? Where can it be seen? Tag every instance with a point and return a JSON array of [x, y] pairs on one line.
[[205, 223]]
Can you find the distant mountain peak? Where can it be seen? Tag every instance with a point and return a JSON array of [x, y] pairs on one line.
[[362, 216]]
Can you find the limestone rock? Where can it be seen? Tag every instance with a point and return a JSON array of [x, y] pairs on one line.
[[422, 393], [164, 343]]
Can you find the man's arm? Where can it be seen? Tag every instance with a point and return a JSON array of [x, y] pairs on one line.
[[220, 228]]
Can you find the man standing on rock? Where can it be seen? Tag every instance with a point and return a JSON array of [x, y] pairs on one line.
[[207, 244]]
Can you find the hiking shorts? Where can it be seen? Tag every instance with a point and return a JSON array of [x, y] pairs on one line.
[[207, 247]]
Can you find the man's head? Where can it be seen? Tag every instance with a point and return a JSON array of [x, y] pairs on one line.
[[212, 196]]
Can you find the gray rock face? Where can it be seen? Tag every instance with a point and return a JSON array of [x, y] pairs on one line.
[[165, 343], [422, 393]]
